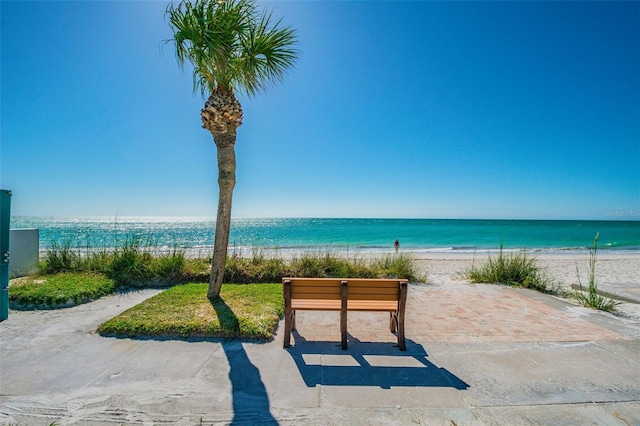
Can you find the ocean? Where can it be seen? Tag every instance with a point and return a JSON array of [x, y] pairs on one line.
[[358, 235]]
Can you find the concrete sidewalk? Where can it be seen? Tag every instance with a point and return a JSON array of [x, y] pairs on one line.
[[477, 354]]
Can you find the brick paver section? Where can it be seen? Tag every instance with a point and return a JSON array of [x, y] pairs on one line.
[[460, 314]]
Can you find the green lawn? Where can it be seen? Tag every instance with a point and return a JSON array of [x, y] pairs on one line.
[[51, 291], [243, 310]]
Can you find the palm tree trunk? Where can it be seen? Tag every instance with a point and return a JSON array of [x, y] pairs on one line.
[[225, 144]]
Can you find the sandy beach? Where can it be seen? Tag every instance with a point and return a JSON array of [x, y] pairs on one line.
[[617, 274]]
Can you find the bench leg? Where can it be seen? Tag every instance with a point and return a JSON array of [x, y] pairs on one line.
[[402, 303], [402, 344], [288, 319], [343, 314], [293, 320], [343, 330], [393, 321], [288, 312]]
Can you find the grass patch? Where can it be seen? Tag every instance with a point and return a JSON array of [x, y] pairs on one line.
[[65, 289], [516, 269], [244, 311]]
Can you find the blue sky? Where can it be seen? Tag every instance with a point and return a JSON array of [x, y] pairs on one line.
[[394, 109]]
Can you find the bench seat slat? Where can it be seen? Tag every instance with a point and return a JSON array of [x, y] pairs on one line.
[[372, 305], [352, 305], [373, 283], [378, 294], [316, 282], [314, 296], [311, 293], [316, 304], [372, 297], [333, 296]]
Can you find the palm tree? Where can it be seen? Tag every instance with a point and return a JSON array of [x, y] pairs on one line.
[[233, 48]]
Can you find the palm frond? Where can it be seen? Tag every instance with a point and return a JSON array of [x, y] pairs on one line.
[[231, 45], [268, 54]]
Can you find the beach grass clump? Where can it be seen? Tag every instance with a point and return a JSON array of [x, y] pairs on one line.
[[135, 264], [61, 258], [329, 264], [57, 290], [591, 298], [132, 263], [261, 268], [258, 268], [323, 264], [516, 269], [241, 311], [397, 266]]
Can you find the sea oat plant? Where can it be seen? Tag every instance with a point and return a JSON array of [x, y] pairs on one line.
[[591, 298]]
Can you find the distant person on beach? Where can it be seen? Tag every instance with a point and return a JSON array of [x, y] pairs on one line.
[[397, 245]]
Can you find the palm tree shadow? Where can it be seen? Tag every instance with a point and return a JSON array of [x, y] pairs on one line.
[[250, 399]]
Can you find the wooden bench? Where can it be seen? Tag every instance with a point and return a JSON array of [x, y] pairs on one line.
[[345, 294]]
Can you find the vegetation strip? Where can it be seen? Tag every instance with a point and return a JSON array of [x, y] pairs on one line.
[[136, 263]]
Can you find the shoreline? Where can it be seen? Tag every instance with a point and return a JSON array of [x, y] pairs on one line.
[[361, 250]]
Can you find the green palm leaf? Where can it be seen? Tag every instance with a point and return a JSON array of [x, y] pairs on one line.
[[231, 45]]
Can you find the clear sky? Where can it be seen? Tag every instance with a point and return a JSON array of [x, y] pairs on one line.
[[395, 109]]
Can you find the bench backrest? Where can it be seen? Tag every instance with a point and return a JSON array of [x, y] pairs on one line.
[[357, 288]]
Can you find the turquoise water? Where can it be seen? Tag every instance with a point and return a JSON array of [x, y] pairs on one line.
[[429, 235]]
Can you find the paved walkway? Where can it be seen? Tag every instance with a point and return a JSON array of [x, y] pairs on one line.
[[464, 314], [477, 354]]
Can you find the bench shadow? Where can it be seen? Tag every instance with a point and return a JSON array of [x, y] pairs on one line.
[[368, 364], [249, 395]]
